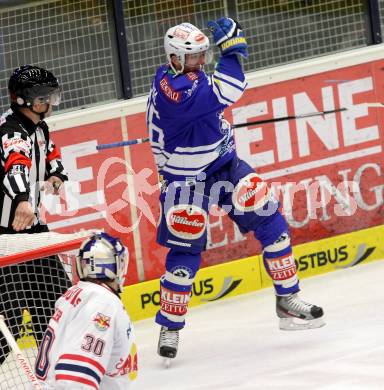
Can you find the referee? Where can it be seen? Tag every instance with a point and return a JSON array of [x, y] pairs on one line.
[[29, 158]]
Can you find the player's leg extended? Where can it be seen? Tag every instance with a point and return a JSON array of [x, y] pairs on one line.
[[280, 265], [175, 293], [254, 209], [182, 228], [176, 286]]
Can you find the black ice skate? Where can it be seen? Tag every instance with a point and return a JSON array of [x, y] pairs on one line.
[[289, 308], [168, 344]]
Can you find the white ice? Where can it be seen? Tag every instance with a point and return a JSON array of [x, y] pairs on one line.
[[236, 343]]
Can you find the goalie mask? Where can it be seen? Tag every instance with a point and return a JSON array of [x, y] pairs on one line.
[[186, 40], [103, 257]]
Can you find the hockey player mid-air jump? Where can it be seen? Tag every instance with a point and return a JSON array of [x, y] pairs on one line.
[[195, 154]]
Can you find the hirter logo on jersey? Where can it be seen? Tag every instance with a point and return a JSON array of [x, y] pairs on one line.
[[168, 91], [251, 193], [186, 221], [102, 322]]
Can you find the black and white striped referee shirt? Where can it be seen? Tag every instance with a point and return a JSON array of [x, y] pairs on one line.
[[28, 158]]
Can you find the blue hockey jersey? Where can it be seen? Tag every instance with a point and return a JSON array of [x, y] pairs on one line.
[[187, 130]]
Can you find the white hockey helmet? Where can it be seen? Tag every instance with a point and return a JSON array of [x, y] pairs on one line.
[[103, 257], [184, 39]]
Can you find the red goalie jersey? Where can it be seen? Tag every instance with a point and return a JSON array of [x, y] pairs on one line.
[[89, 343]]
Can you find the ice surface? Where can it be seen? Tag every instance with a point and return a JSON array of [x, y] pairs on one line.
[[236, 343]]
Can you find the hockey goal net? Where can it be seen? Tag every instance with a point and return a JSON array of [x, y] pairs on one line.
[[35, 269]]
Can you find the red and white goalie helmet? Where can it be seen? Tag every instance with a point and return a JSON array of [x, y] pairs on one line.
[[103, 257], [184, 39]]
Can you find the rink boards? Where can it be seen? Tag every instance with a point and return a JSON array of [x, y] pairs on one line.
[[246, 275]]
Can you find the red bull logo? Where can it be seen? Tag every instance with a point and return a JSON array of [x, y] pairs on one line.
[[102, 322]]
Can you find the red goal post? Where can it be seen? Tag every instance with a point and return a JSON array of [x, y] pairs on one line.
[[35, 269]]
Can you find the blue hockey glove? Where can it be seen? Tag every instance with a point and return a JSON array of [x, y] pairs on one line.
[[229, 36]]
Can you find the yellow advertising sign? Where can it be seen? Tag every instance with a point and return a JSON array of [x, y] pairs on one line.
[[212, 283]]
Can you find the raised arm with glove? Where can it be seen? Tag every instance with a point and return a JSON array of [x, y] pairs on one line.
[[229, 36]]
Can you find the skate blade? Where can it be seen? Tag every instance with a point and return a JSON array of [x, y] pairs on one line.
[[297, 324], [167, 362]]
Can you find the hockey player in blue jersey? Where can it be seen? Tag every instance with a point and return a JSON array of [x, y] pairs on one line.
[[195, 154]]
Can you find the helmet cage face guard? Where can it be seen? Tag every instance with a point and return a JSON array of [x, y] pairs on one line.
[[103, 257], [41, 95], [195, 58]]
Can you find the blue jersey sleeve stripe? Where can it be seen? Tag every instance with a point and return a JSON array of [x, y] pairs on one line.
[[217, 90], [180, 173], [240, 83], [240, 88], [201, 148], [221, 100], [184, 168], [219, 76], [160, 149], [195, 153], [228, 91]]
